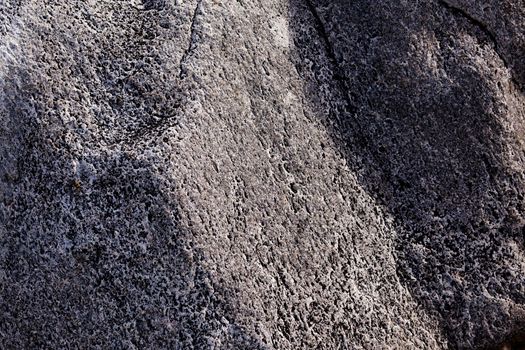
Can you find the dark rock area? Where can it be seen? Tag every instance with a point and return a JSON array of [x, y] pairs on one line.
[[262, 174]]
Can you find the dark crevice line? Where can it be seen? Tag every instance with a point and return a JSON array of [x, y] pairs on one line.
[[338, 74], [355, 135], [163, 118], [348, 116], [458, 12], [157, 127], [477, 23], [192, 41]]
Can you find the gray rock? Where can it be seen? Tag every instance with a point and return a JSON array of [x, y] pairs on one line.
[[262, 174]]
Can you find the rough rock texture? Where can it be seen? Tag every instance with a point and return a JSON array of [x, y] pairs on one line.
[[262, 174]]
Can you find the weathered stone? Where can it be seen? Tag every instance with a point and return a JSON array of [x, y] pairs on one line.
[[262, 174]]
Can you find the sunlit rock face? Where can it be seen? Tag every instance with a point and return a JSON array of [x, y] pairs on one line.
[[262, 174]]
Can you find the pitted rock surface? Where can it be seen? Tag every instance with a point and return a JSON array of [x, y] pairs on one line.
[[262, 174]]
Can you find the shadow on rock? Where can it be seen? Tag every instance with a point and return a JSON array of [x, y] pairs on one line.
[[92, 253], [410, 94]]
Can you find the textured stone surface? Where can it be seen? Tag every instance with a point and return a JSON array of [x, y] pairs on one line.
[[262, 174]]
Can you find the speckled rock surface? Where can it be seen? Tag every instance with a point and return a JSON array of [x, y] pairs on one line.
[[262, 174]]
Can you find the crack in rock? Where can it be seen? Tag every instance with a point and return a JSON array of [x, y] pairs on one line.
[[194, 38], [337, 71], [458, 12]]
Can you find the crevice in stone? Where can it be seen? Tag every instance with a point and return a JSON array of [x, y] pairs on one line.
[[348, 114], [477, 23], [155, 128], [193, 40], [458, 12], [338, 74]]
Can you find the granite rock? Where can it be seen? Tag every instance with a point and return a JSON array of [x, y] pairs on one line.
[[262, 174]]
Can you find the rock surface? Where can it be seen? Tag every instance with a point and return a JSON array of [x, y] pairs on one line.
[[262, 174]]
